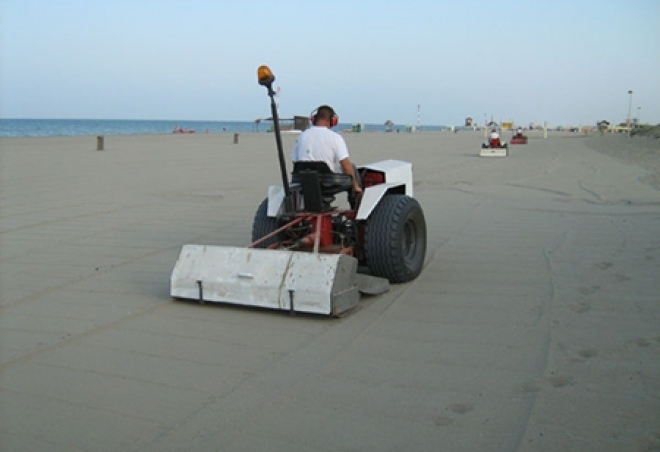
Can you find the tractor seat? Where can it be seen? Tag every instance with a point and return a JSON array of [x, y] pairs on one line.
[[330, 182], [319, 184]]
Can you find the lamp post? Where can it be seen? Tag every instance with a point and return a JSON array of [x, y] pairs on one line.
[[639, 109], [630, 93]]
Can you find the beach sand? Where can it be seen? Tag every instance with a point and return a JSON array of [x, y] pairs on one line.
[[535, 325]]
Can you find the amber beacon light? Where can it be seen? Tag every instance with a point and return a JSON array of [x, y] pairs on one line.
[[265, 75]]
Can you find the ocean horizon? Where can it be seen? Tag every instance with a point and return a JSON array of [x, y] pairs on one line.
[[25, 127]]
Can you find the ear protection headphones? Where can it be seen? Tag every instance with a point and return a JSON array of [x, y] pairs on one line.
[[334, 120]]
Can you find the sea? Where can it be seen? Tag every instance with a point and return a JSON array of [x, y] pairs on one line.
[[82, 127]]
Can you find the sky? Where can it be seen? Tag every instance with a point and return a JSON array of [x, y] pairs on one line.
[[434, 62]]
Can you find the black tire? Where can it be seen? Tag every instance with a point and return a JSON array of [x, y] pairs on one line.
[[264, 225], [395, 239]]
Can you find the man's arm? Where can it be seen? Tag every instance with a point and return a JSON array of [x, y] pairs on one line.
[[347, 167]]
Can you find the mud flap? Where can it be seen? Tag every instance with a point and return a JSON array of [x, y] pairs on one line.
[[372, 285], [276, 279]]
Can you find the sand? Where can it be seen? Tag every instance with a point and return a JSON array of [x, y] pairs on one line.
[[535, 325], [643, 151]]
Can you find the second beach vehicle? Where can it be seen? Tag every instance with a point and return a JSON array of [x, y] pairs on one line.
[[494, 147]]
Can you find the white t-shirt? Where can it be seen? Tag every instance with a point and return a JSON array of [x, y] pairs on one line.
[[494, 135], [320, 144]]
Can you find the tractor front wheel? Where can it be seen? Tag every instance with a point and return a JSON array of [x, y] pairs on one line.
[[395, 239], [264, 225]]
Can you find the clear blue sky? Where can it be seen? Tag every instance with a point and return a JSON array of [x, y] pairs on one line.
[[567, 62]]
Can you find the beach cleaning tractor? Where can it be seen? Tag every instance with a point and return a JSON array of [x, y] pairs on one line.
[[307, 255], [518, 138], [494, 147]]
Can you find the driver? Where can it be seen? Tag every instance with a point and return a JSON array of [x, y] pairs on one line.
[[519, 132], [494, 139], [320, 143]]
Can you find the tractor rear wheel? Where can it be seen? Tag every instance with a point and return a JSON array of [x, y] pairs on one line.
[[264, 225], [395, 239]]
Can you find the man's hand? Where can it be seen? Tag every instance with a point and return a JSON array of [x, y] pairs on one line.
[[347, 167]]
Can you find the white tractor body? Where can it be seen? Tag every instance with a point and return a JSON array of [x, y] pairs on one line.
[[296, 281]]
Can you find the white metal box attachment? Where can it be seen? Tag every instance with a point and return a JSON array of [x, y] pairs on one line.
[[494, 152], [277, 279]]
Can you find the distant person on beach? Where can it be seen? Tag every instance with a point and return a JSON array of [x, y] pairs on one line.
[[494, 139], [319, 143]]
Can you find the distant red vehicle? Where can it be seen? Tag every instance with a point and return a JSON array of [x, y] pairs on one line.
[[178, 129], [519, 138]]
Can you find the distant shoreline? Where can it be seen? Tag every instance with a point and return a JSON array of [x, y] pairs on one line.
[[35, 127]]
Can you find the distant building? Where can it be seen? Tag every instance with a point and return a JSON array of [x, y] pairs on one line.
[[295, 123], [300, 122]]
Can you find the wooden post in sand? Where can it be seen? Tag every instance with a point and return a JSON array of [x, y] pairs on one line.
[[485, 125], [99, 143]]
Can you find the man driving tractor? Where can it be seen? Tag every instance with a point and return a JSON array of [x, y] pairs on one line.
[[322, 144], [319, 143], [494, 139]]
